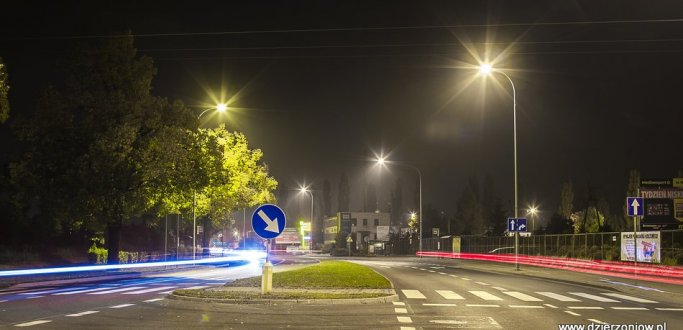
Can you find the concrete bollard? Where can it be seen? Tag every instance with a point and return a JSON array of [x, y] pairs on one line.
[[267, 278]]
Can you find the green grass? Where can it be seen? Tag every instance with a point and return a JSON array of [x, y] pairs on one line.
[[325, 275], [273, 295]]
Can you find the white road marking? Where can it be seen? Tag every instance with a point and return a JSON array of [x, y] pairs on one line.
[[166, 292], [400, 310], [52, 291], [432, 271], [440, 305], [465, 279], [28, 324], [453, 275], [597, 321], [448, 294], [153, 300], [557, 296], [584, 307], [422, 269], [34, 297], [442, 273], [2, 301], [80, 291], [196, 287], [404, 319], [525, 306], [385, 266], [593, 297], [499, 288], [477, 305], [669, 309], [413, 294], [482, 283], [551, 306], [82, 313], [118, 290], [485, 295], [407, 328], [122, 306], [150, 290], [625, 297], [521, 296], [447, 322], [399, 303], [572, 313], [630, 308]]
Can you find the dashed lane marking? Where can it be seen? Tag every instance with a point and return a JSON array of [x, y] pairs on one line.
[[150, 290], [34, 297], [479, 305], [630, 308], [432, 271], [118, 290], [525, 306], [2, 301], [440, 305], [465, 279], [499, 288], [413, 294], [448, 294], [81, 291], [669, 309], [625, 297], [551, 306], [593, 297], [453, 275], [442, 273], [122, 306], [485, 295], [422, 269], [32, 323], [400, 310], [597, 321], [196, 287], [572, 313], [399, 303], [407, 328], [153, 300], [82, 313], [521, 296], [557, 296], [52, 291], [404, 319], [482, 283], [584, 307]]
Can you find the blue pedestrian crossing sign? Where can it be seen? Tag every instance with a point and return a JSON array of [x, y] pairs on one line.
[[268, 221], [517, 224], [635, 206]]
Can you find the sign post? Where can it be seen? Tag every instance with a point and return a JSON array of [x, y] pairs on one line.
[[349, 240], [635, 207], [515, 225], [268, 221]]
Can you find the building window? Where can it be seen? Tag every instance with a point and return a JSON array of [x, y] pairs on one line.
[[376, 222], [353, 222], [365, 222]]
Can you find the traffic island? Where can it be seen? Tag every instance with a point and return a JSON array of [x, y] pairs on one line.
[[329, 282]]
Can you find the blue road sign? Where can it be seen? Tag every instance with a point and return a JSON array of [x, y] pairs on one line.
[[268, 221], [516, 224], [635, 206]]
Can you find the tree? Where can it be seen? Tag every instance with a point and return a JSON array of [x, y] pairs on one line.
[[566, 207], [469, 209], [4, 90], [343, 196], [558, 224], [327, 198]]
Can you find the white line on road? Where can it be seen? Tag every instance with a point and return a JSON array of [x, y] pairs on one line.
[[422, 269], [119, 290], [442, 273], [2, 301], [551, 306], [521, 296], [525, 306], [440, 305], [482, 283], [625, 297], [385, 266], [499, 288], [557, 296], [399, 303], [28, 324], [485, 295], [53, 291], [432, 271], [80, 291], [447, 322], [150, 290], [597, 321], [584, 307], [400, 310], [153, 300], [448, 294], [34, 297], [630, 308], [122, 306], [82, 313], [669, 309], [593, 297], [404, 319], [572, 313], [407, 328], [413, 294], [465, 279], [166, 292], [453, 275], [477, 305]]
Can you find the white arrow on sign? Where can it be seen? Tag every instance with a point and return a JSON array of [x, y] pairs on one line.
[[271, 225], [521, 227], [635, 205]]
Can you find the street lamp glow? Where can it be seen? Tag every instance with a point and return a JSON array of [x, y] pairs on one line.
[[485, 69], [380, 160], [533, 210], [221, 107], [303, 190]]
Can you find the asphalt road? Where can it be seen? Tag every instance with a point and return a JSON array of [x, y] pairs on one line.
[[433, 294]]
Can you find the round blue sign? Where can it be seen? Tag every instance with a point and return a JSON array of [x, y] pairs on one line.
[[268, 221]]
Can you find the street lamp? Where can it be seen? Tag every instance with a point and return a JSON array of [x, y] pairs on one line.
[[532, 211], [381, 161], [220, 108], [487, 69], [305, 190]]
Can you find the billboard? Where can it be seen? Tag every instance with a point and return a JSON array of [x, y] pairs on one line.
[[382, 233], [648, 244], [289, 236]]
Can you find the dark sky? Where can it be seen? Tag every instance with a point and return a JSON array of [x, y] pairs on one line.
[[319, 86]]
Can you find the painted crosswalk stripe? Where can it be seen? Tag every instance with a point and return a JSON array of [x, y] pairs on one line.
[[597, 321], [478, 305], [81, 291], [551, 306], [153, 300], [499, 288], [669, 309], [122, 306], [413, 294], [407, 328], [557, 296], [400, 310], [442, 273], [630, 308], [584, 307], [440, 305], [404, 319], [82, 313], [448, 294], [625, 297], [119, 290], [52, 291], [485, 295], [453, 275], [481, 283], [150, 290], [465, 279], [572, 313], [399, 303], [28, 324], [593, 297], [521, 296]]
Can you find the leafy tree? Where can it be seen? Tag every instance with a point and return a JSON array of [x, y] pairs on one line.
[[343, 196], [469, 209], [327, 198], [588, 221], [4, 90], [558, 224], [566, 207], [497, 220]]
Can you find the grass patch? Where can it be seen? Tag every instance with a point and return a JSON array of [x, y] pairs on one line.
[[273, 295], [327, 274]]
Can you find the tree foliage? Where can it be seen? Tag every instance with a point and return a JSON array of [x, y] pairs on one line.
[[566, 207]]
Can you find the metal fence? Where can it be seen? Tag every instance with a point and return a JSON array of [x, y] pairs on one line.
[[596, 246]]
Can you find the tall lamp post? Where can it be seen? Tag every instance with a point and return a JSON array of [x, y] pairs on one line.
[[486, 69], [381, 161], [533, 210], [220, 107], [305, 190]]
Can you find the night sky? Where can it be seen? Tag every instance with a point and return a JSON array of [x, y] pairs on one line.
[[320, 86]]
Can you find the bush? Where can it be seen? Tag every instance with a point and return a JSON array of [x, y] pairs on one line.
[[97, 255]]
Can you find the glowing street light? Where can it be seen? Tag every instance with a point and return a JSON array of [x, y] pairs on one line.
[[533, 210], [305, 190], [486, 69], [220, 107]]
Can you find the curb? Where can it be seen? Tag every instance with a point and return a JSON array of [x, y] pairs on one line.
[[351, 301]]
